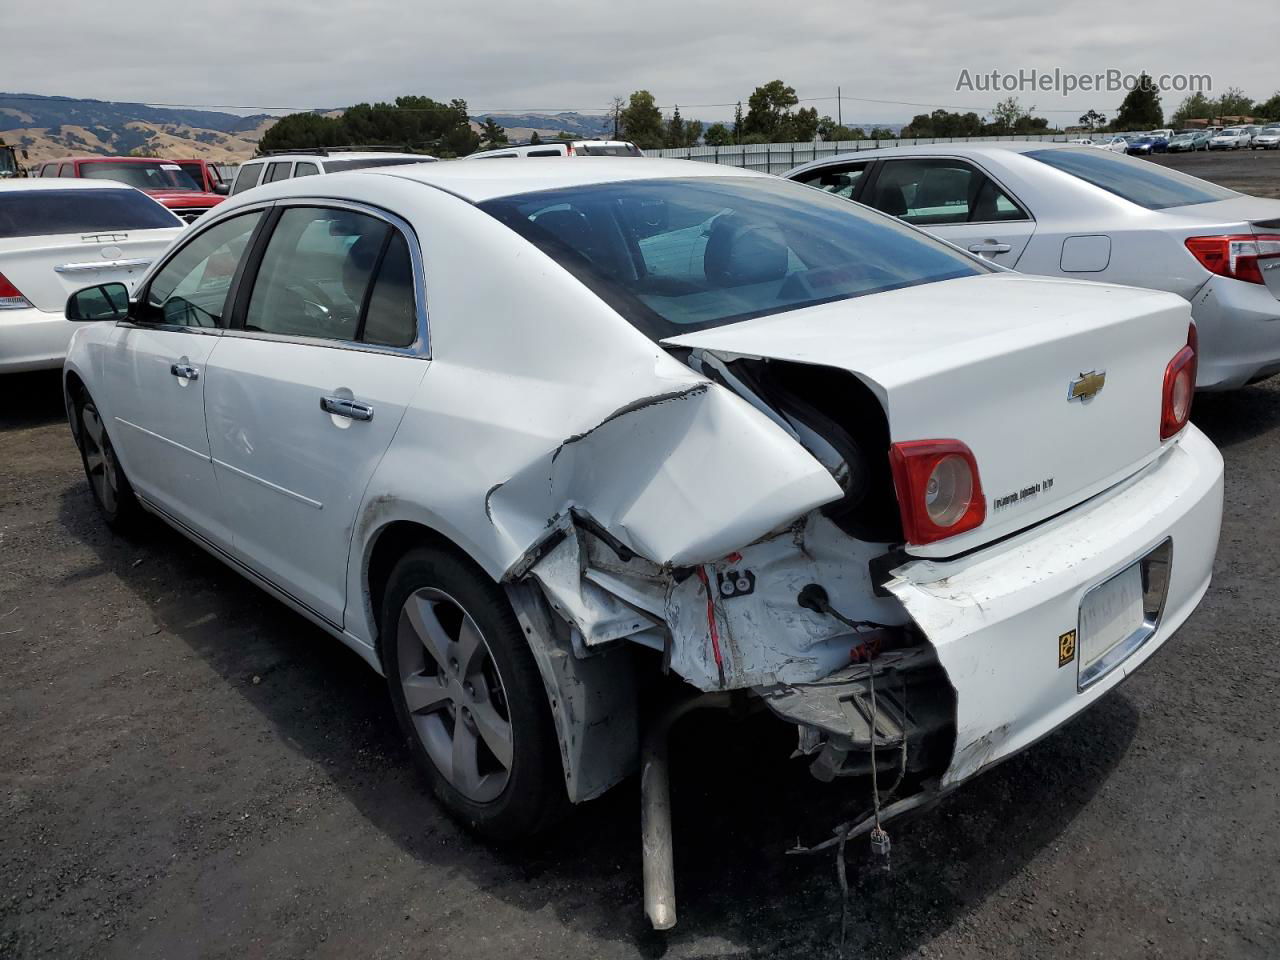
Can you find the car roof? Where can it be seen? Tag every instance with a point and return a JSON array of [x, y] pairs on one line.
[[61, 183], [100, 158], [478, 182], [973, 150], [344, 155]]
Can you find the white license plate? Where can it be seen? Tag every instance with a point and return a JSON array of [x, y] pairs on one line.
[[1110, 614]]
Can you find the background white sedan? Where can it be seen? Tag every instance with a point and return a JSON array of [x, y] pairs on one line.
[[1089, 214], [55, 237]]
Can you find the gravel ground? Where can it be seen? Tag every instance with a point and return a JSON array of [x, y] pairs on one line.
[[188, 769]]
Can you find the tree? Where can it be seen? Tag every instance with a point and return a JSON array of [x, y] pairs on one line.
[[534, 138], [1006, 115], [801, 125], [718, 135], [1140, 109], [642, 121], [737, 123], [417, 123], [675, 130], [1269, 109], [494, 135], [1195, 107], [692, 132], [768, 107], [882, 133], [1093, 120], [1234, 103], [945, 124], [616, 110]]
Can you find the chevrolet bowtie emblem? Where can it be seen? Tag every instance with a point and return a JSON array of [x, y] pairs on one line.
[[1088, 386]]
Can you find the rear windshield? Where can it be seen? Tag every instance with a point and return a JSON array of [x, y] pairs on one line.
[[158, 175], [44, 213], [608, 150], [674, 256], [333, 166], [1138, 181]]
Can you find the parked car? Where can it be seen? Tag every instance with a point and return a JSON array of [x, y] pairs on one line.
[[569, 452], [1116, 144], [1232, 138], [287, 164], [206, 176], [562, 148], [1069, 211], [1082, 141], [56, 236], [1140, 146], [1268, 138], [1189, 141], [163, 180]]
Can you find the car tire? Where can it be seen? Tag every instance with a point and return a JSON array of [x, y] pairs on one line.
[[111, 490], [468, 696]]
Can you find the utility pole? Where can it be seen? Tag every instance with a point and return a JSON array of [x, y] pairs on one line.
[[839, 109]]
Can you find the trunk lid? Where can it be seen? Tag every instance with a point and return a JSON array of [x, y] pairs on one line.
[[991, 361], [47, 270]]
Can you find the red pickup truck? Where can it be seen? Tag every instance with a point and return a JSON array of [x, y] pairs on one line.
[[163, 180]]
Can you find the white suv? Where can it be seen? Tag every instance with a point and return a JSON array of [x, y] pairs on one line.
[[562, 148], [284, 164]]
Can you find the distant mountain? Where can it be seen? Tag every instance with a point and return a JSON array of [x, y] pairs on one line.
[[49, 127], [579, 124]]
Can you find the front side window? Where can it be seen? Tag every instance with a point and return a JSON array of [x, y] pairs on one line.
[[147, 175], [45, 213], [1147, 185], [674, 256], [933, 191], [191, 289], [247, 178], [841, 180], [336, 275]]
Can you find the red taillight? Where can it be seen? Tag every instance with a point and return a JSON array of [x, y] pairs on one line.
[[938, 489], [1235, 256], [11, 297], [569, 150], [1179, 388]]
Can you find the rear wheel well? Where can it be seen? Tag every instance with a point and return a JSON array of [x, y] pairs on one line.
[[392, 543]]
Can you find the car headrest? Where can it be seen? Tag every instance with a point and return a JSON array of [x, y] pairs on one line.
[[739, 253], [359, 263], [570, 227]]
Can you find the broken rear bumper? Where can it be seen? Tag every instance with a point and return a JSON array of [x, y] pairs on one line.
[[995, 617]]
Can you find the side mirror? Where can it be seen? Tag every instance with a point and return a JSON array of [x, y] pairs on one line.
[[107, 301], [222, 189]]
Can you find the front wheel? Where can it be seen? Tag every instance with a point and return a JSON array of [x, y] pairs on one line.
[[468, 696], [111, 489]]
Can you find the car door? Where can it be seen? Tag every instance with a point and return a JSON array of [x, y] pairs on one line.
[[307, 389], [954, 200], [156, 372]]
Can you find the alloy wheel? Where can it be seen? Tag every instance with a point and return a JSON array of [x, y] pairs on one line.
[[454, 694], [100, 459]]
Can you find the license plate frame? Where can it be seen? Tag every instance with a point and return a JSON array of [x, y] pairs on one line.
[[1120, 614]]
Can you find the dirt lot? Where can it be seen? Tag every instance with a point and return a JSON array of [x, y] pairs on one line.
[[188, 769], [1255, 172]]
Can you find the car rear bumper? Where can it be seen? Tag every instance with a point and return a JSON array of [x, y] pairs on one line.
[[997, 618], [1238, 325], [32, 339]]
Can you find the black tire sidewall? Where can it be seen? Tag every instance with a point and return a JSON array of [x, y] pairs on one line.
[[127, 513], [534, 795]]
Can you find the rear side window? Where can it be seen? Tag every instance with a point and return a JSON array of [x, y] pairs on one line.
[[305, 170], [247, 178], [325, 272], [545, 153], [43, 213], [1140, 182], [937, 191]]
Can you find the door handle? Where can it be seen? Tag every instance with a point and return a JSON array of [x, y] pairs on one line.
[[342, 407], [989, 246], [185, 371]]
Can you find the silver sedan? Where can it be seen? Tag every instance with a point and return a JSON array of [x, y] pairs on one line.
[[1073, 211]]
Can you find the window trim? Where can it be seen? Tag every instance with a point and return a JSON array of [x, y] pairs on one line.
[[421, 346], [1027, 217]]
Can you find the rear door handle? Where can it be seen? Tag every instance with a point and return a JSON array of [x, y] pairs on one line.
[[342, 407], [185, 371], [989, 246]]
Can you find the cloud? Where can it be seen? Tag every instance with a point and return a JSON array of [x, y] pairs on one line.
[[568, 54]]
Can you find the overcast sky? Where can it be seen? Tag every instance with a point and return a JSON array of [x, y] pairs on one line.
[[507, 55]]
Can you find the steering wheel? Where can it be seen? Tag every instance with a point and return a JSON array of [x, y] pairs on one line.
[[319, 306]]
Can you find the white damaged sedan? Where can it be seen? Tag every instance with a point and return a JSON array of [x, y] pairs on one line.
[[561, 448]]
